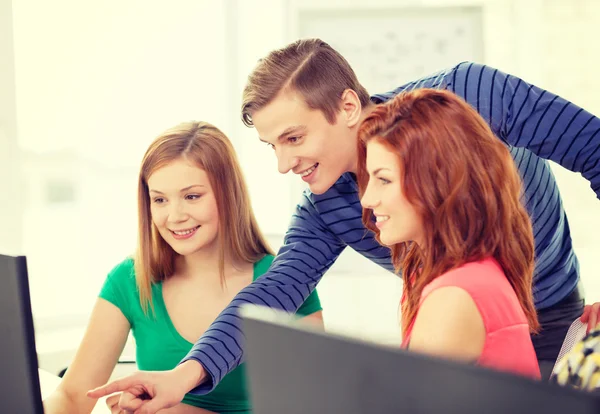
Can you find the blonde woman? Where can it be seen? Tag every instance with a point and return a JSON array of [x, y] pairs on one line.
[[199, 245]]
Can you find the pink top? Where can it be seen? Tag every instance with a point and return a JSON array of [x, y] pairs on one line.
[[508, 345]]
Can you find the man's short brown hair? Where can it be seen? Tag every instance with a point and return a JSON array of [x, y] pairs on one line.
[[308, 66]]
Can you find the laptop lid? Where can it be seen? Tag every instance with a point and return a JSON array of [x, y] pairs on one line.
[[295, 369], [20, 390]]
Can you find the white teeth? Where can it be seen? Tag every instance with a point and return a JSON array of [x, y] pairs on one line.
[[184, 232], [382, 218], [305, 173]]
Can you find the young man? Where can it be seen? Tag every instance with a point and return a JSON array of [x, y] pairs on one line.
[[307, 104]]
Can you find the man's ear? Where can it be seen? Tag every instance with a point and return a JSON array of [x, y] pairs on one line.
[[351, 108]]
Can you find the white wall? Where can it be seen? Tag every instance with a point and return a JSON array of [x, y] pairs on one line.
[[11, 198], [95, 82], [101, 80]]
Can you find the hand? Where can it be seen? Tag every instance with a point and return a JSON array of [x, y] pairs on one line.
[[591, 316], [113, 404], [148, 392]]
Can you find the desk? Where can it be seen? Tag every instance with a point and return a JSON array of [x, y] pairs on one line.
[[49, 382]]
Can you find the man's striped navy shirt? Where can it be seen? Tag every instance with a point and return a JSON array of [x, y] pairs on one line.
[[535, 124]]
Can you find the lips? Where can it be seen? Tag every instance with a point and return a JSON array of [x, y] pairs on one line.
[[380, 220], [309, 170], [184, 233], [308, 175]]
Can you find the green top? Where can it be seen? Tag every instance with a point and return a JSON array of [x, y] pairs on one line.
[[159, 347]]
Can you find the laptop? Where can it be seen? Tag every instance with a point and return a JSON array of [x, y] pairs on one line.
[[20, 385], [293, 368]]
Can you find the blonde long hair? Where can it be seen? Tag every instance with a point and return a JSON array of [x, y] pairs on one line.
[[239, 237]]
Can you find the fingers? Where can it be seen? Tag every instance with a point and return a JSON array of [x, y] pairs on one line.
[[112, 400], [113, 404], [586, 313], [594, 317], [591, 316], [115, 386], [152, 406], [116, 410], [130, 402]]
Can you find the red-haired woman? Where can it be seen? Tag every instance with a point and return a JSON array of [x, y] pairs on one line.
[[443, 193]]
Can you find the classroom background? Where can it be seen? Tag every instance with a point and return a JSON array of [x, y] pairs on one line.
[[86, 86]]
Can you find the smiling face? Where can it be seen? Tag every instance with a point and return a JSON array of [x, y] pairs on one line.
[[305, 142], [183, 207], [396, 218]]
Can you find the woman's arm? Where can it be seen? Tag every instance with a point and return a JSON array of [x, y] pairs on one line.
[[315, 319], [113, 405], [449, 325], [94, 361], [185, 409]]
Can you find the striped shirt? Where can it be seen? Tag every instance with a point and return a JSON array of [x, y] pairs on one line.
[[535, 124]]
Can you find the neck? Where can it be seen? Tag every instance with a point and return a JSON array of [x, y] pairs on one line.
[[366, 111], [203, 264]]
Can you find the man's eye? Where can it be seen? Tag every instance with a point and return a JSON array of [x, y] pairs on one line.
[[293, 139]]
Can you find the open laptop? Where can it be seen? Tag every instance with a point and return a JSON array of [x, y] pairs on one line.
[[20, 385], [295, 369]]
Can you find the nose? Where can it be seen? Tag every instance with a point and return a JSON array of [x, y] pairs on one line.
[[285, 161], [177, 212], [369, 199]]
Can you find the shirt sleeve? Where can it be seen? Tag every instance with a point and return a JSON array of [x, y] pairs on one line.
[[524, 115], [309, 250], [311, 305], [115, 287]]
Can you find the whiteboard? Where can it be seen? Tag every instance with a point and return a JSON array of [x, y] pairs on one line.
[[388, 47]]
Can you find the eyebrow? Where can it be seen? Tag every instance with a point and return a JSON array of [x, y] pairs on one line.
[[378, 170], [181, 191], [288, 131]]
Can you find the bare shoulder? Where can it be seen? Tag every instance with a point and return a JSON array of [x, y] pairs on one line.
[[449, 324], [452, 301]]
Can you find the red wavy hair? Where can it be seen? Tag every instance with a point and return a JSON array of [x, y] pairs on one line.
[[465, 186]]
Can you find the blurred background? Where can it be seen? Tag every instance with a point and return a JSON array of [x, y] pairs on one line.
[[86, 86]]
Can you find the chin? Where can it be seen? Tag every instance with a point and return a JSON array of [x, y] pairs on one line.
[[321, 186], [389, 241], [318, 189], [183, 252], [186, 250], [386, 243]]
